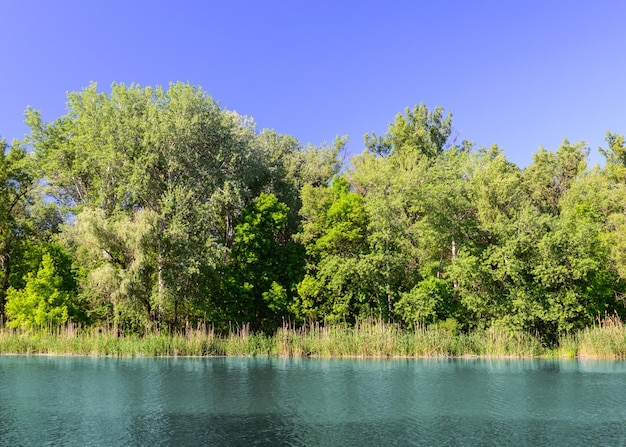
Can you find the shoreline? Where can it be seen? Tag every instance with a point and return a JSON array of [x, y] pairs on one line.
[[317, 357], [371, 341]]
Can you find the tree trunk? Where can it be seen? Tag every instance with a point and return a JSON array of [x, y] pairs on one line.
[[5, 268], [455, 282]]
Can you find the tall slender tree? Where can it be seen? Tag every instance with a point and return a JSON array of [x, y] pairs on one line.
[[17, 183]]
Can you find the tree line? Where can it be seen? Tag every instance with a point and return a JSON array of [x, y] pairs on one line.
[[154, 208]]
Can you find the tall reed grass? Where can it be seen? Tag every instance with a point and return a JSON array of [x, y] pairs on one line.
[[366, 339], [607, 339], [377, 339]]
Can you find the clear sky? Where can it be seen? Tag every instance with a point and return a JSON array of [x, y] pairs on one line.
[[517, 73]]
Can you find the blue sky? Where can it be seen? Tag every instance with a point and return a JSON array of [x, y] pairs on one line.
[[520, 74]]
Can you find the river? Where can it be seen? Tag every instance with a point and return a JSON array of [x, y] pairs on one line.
[[80, 401]]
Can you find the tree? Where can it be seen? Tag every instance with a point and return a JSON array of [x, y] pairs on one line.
[[334, 233], [550, 175], [162, 177], [170, 163], [573, 270], [424, 303], [613, 198], [414, 185], [416, 133], [48, 298], [265, 267], [16, 197]]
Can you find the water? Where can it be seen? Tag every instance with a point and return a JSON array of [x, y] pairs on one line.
[[76, 401]]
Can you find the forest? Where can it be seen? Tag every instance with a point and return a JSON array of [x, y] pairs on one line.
[[157, 209]]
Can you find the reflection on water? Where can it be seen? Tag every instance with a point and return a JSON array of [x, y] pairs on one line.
[[250, 401]]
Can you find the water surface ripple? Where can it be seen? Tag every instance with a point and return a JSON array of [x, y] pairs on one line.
[[77, 401]]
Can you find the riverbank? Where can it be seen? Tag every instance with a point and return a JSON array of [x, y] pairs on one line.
[[376, 340]]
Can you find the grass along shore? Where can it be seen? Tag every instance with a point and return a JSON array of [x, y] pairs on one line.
[[371, 339]]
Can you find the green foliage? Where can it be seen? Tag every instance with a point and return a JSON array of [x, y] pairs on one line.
[[169, 211], [615, 156], [48, 298], [416, 133], [334, 236], [344, 222], [158, 179], [265, 265], [552, 174], [16, 185], [419, 306]]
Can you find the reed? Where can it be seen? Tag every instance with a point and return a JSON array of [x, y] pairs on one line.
[[369, 338], [377, 339], [606, 339]]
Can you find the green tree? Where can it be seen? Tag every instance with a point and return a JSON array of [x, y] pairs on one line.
[[160, 178], [266, 265], [573, 270], [418, 132], [169, 163], [414, 186], [612, 197], [550, 175], [334, 233], [425, 303], [116, 270], [487, 260], [48, 298], [17, 183]]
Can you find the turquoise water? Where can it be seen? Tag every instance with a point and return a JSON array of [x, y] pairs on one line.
[[76, 401]]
